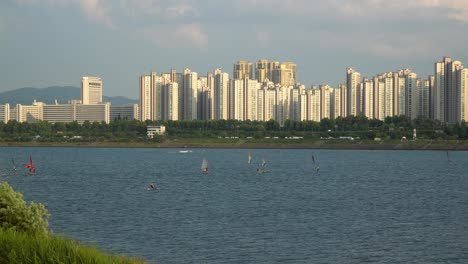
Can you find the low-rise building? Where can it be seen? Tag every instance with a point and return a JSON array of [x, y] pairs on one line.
[[155, 130]]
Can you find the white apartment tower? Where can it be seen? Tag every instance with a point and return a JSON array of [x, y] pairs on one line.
[[335, 105], [463, 106], [282, 101], [325, 97], [368, 98], [4, 113], [411, 96], [171, 94], [242, 69], [313, 108], [221, 95], [353, 79], [236, 104], [251, 88], [343, 100], [147, 105], [261, 70], [438, 95], [190, 94], [423, 98], [295, 106], [446, 96], [91, 90], [270, 104]]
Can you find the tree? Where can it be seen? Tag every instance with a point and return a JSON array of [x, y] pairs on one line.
[[16, 214]]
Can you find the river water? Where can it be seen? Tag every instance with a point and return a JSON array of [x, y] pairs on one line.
[[361, 207]]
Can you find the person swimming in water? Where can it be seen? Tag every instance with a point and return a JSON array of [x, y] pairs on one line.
[[152, 186]]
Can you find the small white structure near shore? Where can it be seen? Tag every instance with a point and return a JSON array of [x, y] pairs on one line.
[[155, 130]]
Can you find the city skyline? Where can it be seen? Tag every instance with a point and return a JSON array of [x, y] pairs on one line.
[[189, 96], [51, 42]]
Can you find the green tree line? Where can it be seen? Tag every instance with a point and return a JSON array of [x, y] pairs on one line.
[[394, 127]]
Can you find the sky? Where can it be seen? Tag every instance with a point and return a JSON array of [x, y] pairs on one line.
[[56, 42]]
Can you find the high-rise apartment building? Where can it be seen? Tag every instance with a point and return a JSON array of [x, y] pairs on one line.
[[462, 94], [237, 99], [171, 99], [251, 88], [410, 104], [243, 69], [343, 100], [261, 70], [304, 105], [295, 106], [147, 102], [221, 95], [4, 113], [285, 74], [91, 90], [446, 96], [353, 80], [282, 103], [335, 103], [367, 98], [313, 100], [190, 94], [423, 91], [325, 97], [438, 95], [385, 95], [270, 104]]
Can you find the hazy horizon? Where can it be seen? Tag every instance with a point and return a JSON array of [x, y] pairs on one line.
[[56, 42]]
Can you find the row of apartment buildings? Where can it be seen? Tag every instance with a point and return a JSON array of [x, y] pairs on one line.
[[250, 95], [264, 91], [89, 108]]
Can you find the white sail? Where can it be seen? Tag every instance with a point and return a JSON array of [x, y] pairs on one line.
[[204, 166]]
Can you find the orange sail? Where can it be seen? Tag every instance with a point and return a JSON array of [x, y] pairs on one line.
[[30, 165]]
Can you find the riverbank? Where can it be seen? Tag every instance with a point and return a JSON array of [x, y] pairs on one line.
[[263, 144]]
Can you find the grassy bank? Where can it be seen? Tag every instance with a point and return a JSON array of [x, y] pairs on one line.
[[19, 247], [263, 143]]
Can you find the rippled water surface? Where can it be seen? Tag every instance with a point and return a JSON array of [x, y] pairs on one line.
[[362, 207]]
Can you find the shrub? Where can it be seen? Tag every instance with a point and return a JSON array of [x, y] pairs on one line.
[[17, 215]]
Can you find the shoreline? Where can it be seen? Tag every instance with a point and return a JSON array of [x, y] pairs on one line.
[[406, 145]]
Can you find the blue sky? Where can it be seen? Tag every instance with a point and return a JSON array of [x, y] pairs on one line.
[[56, 42]]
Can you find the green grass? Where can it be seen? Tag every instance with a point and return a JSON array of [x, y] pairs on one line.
[[19, 247]]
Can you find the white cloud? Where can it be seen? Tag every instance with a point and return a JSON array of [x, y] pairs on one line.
[[163, 9], [95, 10], [173, 36], [376, 10], [98, 11], [457, 9]]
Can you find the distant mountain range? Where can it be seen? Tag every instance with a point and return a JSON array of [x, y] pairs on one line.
[[48, 95]]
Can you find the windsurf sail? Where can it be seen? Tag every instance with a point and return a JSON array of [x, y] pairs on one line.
[[448, 157], [250, 158], [14, 165], [316, 164], [30, 165], [204, 166], [261, 167]]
